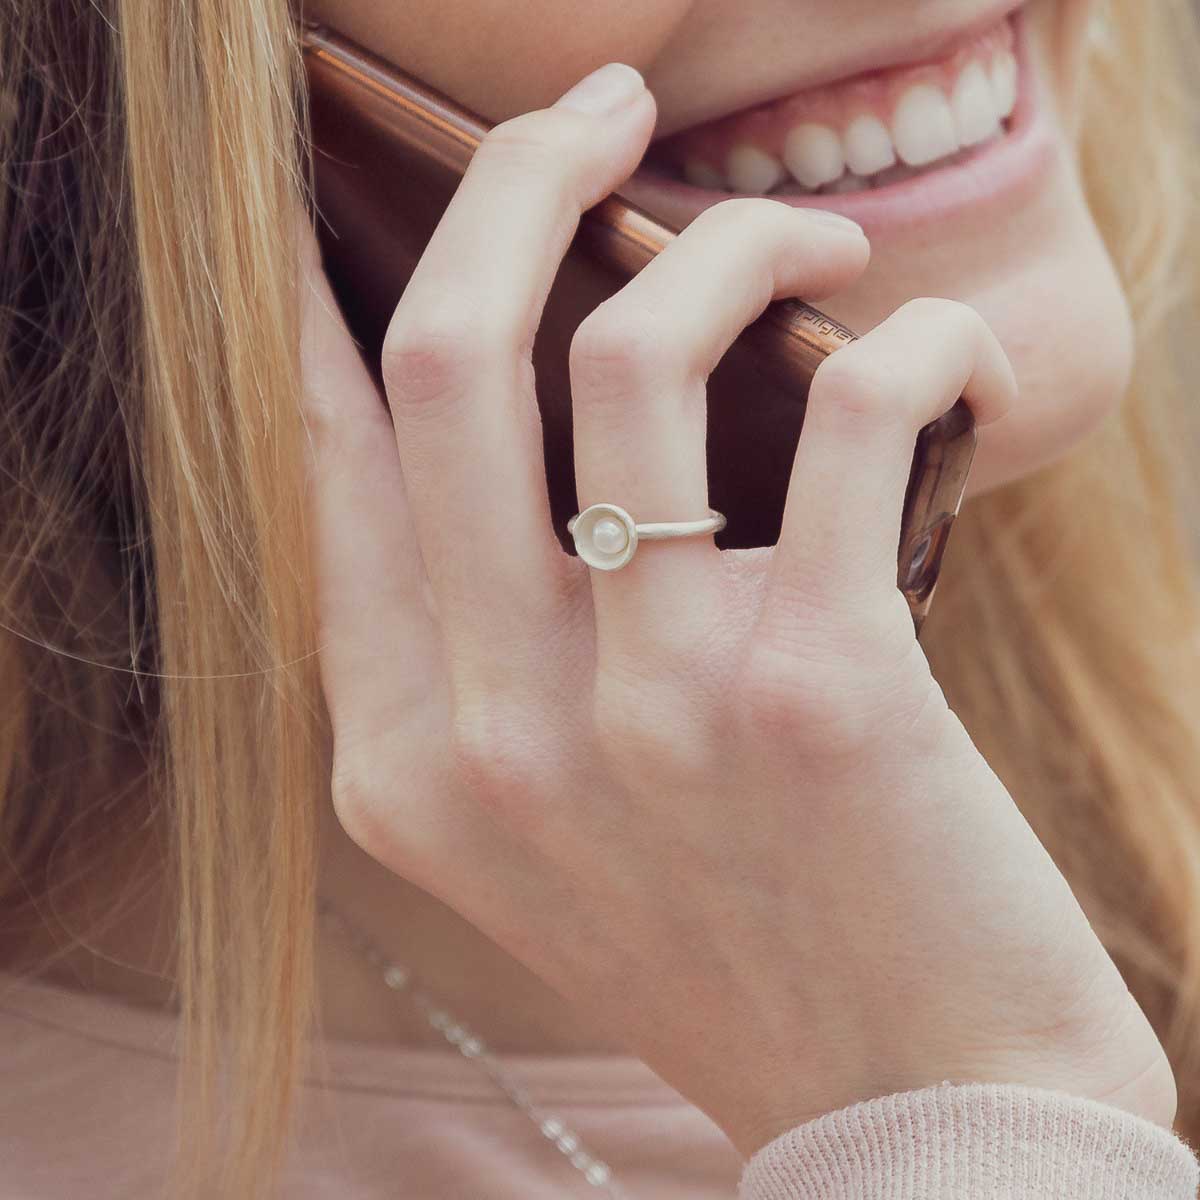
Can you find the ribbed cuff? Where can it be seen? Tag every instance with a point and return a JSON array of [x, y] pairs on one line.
[[974, 1141]]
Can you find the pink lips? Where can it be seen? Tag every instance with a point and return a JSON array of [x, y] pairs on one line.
[[993, 172], [875, 93]]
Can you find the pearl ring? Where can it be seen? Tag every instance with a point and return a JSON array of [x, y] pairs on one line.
[[606, 536]]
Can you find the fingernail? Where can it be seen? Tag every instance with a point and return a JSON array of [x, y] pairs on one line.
[[604, 91], [825, 217]]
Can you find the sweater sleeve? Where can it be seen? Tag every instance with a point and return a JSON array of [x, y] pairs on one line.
[[974, 1141]]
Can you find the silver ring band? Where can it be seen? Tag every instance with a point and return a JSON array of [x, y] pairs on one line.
[[606, 536]]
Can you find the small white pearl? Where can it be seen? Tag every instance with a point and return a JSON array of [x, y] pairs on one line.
[[396, 978], [609, 536]]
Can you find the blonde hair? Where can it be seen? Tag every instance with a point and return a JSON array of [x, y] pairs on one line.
[[152, 550]]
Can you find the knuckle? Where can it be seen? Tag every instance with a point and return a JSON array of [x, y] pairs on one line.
[[936, 309], [843, 697], [976, 331], [532, 144], [859, 387], [956, 323], [744, 212], [500, 754], [759, 231], [358, 801], [434, 356], [319, 409], [424, 358], [851, 386], [756, 232], [960, 330], [619, 348], [336, 429], [808, 699]]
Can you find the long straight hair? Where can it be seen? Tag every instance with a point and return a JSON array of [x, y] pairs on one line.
[[156, 649]]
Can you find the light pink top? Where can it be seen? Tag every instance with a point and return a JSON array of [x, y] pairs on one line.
[[87, 1086]]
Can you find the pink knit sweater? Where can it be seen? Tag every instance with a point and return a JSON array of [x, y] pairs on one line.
[[86, 1109]]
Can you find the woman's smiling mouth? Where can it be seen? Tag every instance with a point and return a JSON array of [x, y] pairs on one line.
[[899, 144]]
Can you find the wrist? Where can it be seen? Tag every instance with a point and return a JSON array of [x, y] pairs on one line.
[[1149, 1092]]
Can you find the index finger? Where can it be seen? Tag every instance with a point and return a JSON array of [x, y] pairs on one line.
[[460, 381]]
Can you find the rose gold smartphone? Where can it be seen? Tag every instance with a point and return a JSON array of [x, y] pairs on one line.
[[387, 153]]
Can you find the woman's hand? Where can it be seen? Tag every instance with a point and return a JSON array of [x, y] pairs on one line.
[[715, 799]]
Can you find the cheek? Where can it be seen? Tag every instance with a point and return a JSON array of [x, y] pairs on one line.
[[1068, 331], [1062, 314], [500, 58]]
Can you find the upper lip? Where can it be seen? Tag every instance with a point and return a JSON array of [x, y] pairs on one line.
[[926, 46]]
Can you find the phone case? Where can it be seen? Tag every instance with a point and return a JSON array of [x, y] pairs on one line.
[[387, 153]]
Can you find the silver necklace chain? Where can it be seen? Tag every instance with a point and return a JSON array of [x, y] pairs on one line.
[[471, 1046]]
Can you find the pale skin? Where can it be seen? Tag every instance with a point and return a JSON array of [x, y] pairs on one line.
[[714, 806], [713, 809]]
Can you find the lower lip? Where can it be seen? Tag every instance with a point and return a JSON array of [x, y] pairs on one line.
[[997, 174]]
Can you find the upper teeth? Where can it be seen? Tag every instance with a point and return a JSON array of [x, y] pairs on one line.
[[753, 170], [869, 145], [814, 154], [974, 105], [926, 125], [923, 126]]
